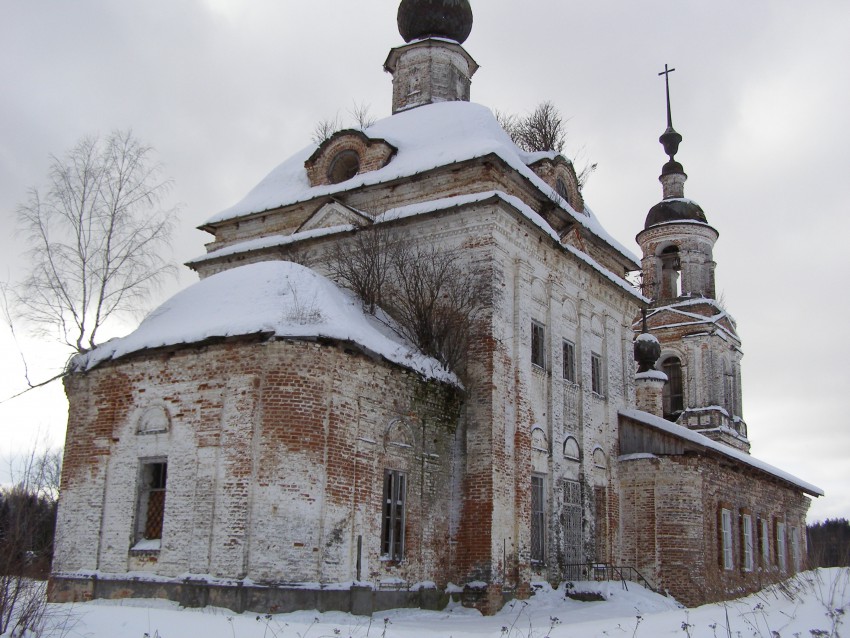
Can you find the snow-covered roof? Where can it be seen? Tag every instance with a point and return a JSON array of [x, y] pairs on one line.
[[692, 318], [277, 298], [682, 432], [422, 208], [426, 137]]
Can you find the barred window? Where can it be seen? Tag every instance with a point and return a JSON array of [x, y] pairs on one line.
[[538, 521], [392, 533], [151, 509]]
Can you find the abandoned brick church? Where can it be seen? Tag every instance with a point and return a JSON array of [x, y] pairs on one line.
[[264, 441]]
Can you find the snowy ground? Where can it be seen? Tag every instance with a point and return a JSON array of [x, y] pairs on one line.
[[813, 604]]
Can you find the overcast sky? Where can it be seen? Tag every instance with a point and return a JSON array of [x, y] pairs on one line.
[[227, 89]]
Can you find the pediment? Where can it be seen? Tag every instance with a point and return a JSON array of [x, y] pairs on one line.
[[335, 214]]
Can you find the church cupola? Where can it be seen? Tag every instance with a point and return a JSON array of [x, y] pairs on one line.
[[677, 241], [433, 66]]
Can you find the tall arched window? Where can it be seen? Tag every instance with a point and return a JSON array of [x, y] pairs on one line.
[[672, 395]]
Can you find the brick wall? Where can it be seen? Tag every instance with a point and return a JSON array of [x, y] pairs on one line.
[[671, 530], [276, 454]]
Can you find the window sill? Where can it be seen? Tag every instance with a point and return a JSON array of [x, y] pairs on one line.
[[147, 546]]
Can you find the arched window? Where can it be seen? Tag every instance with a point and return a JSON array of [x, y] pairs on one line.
[[673, 395], [561, 187], [343, 167], [571, 449], [154, 420], [670, 266]]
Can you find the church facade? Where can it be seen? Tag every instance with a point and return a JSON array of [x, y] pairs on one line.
[[265, 442]]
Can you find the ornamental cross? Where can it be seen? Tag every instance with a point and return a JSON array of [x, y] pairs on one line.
[[666, 73]]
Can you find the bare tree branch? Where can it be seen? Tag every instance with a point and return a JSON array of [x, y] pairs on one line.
[[325, 128], [433, 298], [544, 129], [97, 235], [362, 117]]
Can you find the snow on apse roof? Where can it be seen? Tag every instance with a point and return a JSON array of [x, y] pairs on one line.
[[426, 137], [279, 298]]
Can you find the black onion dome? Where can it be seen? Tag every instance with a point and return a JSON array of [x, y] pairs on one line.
[[674, 210], [647, 352], [450, 19]]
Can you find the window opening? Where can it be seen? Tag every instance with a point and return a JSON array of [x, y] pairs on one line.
[[747, 521], [538, 344], [344, 166], [561, 188], [538, 521], [670, 266], [726, 533], [569, 362], [597, 382], [672, 395], [151, 514], [780, 546], [392, 534]]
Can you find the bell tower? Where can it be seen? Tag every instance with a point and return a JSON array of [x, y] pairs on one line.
[[433, 66], [700, 348]]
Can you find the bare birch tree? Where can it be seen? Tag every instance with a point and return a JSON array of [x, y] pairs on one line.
[[97, 236]]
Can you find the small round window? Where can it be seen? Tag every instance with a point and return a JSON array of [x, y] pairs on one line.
[[343, 167]]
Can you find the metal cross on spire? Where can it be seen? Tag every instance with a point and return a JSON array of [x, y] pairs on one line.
[[666, 73], [670, 139]]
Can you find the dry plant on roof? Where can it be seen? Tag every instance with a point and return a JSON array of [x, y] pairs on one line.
[[543, 129], [432, 295]]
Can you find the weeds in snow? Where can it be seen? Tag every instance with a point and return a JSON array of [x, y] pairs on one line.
[[638, 620]]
